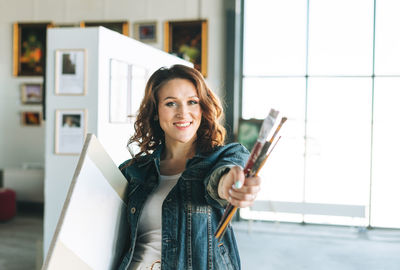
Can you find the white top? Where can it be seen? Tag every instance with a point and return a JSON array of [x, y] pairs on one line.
[[148, 241]]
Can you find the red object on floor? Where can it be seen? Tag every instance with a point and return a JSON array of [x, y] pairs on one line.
[[8, 205]]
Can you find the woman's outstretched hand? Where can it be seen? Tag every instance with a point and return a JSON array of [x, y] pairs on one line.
[[237, 189]]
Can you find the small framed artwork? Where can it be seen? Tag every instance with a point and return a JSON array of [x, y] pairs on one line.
[[248, 132], [29, 48], [70, 72], [31, 119], [70, 131], [119, 91], [188, 40], [121, 27], [146, 32], [31, 93]]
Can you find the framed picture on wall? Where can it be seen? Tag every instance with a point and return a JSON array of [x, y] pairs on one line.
[[248, 132], [188, 40], [31, 93], [31, 118], [119, 91], [121, 27], [146, 32], [29, 48], [70, 131], [70, 72]]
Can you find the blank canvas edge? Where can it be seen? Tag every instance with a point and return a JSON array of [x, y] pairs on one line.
[[66, 203]]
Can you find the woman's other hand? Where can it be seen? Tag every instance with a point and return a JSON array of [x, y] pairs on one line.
[[237, 189]]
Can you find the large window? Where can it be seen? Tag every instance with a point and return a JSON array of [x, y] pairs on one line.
[[333, 68]]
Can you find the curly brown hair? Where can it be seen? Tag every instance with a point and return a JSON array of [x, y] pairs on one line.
[[148, 133]]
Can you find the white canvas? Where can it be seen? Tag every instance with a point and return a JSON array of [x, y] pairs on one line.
[[92, 228]]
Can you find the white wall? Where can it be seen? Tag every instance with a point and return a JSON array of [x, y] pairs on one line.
[[19, 144]]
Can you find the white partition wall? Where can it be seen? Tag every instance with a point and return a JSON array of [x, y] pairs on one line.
[[103, 48]]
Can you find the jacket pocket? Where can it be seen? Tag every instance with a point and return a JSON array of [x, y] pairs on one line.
[[225, 261]]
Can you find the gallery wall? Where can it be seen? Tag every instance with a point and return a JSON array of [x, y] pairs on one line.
[[24, 146]]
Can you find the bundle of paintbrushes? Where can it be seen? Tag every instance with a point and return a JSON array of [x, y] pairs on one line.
[[259, 154]]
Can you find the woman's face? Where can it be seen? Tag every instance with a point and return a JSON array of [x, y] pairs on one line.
[[179, 111]]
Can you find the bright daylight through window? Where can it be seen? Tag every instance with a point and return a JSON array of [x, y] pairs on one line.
[[331, 67]]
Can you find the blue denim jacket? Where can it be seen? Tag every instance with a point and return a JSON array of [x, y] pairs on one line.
[[190, 212]]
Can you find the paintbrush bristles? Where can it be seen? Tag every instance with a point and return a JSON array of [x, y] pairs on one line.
[[283, 120], [267, 125]]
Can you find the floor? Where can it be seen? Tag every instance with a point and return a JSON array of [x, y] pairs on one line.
[[264, 245], [279, 246], [21, 242]]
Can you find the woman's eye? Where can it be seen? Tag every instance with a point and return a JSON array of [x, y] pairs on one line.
[[193, 102], [170, 104]]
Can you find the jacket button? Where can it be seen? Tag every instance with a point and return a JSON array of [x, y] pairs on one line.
[[133, 210]]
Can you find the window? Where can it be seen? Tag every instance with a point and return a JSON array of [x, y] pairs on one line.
[[331, 67]]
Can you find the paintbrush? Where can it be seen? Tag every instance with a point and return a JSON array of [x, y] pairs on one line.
[[265, 130], [231, 212]]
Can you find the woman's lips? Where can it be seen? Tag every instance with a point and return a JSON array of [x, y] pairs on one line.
[[182, 124]]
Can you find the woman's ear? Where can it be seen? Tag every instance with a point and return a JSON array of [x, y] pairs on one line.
[[155, 117]]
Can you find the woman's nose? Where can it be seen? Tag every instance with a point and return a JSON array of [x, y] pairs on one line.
[[182, 111]]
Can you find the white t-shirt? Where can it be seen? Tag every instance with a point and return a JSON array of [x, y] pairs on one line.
[[148, 241]]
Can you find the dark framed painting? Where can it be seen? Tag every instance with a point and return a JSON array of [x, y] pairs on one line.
[[121, 27], [29, 48], [145, 31], [248, 132], [188, 40], [31, 118]]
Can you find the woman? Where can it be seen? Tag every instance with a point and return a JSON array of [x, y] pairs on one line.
[[182, 178]]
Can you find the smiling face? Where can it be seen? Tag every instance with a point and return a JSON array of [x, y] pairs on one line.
[[179, 111]]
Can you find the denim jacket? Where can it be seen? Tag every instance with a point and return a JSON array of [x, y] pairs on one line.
[[191, 211]]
